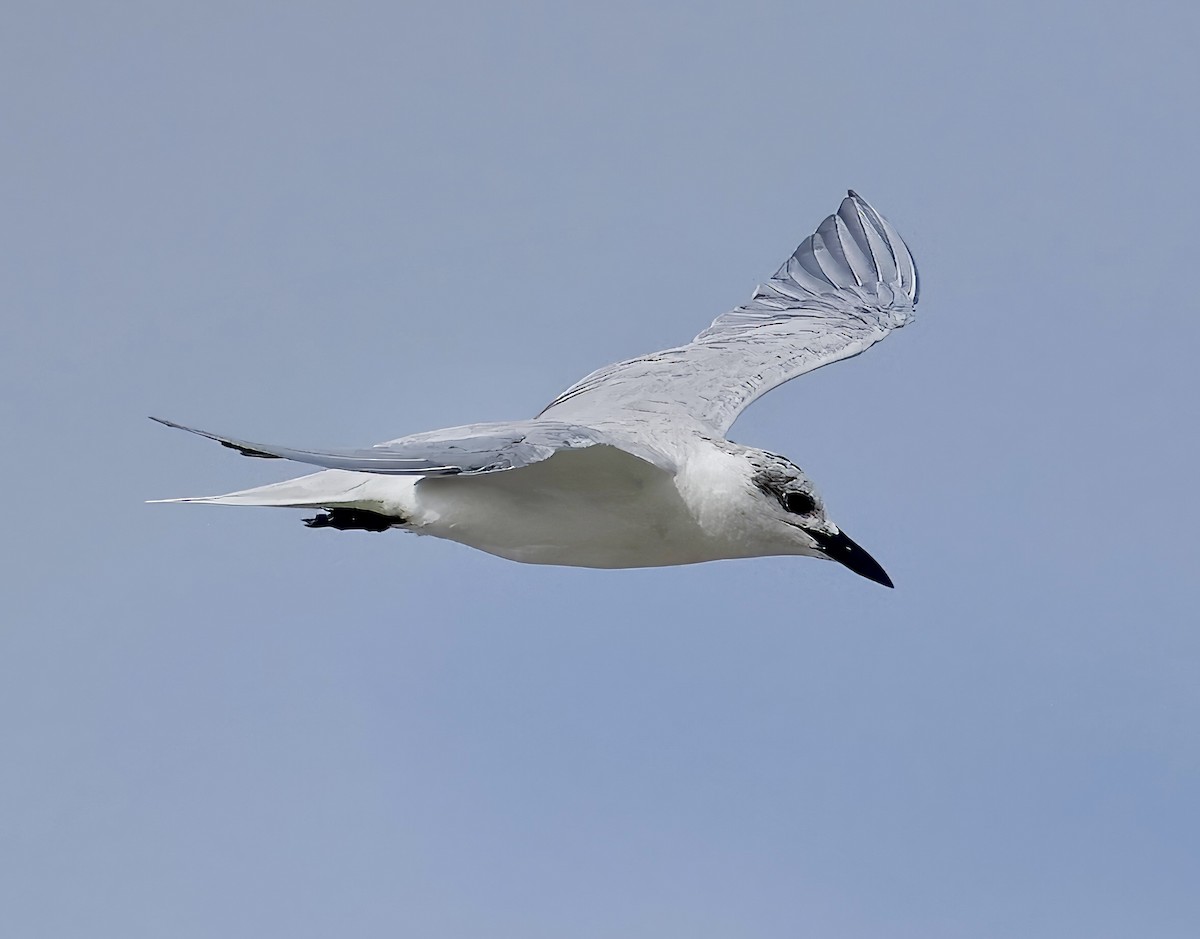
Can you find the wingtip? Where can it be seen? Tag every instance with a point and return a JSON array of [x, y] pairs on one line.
[[860, 204], [241, 446]]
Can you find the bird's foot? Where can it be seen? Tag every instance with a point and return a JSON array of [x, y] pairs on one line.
[[352, 520]]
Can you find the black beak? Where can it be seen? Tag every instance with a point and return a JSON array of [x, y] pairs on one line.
[[841, 549]]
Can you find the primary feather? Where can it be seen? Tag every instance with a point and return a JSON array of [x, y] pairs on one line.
[[845, 287]]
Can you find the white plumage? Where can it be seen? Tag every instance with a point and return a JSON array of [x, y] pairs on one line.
[[630, 467]]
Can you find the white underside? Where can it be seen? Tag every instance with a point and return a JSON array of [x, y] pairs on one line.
[[596, 507]]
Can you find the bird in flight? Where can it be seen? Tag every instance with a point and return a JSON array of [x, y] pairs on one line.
[[630, 466]]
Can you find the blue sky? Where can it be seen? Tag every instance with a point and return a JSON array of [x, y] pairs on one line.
[[334, 227]]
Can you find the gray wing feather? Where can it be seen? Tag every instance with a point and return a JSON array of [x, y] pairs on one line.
[[846, 286], [468, 450]]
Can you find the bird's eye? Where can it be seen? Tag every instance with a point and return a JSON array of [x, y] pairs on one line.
[[799, 503]]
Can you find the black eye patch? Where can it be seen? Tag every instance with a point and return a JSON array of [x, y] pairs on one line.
[[799, 503]]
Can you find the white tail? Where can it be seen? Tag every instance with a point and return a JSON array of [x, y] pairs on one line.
[[319, 490]]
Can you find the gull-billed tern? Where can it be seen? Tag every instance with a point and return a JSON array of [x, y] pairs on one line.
[[630, 466]]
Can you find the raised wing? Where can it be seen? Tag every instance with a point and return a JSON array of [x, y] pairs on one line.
[[846, 287], [468, 450]]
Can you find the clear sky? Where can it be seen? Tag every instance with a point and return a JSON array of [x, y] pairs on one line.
[[336, 224]]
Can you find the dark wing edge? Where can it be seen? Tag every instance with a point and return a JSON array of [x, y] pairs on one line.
[[480, 449]]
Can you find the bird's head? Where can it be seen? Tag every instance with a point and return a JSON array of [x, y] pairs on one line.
[[788, 504]]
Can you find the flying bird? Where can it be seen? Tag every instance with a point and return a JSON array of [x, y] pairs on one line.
[[630, 467]]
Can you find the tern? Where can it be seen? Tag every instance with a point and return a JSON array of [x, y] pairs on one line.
[[630, 467]]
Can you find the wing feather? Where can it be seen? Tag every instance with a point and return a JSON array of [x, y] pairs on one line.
[[468, 450], [844, 288]]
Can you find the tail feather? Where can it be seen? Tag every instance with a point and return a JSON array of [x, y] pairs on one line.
[[319, 490]]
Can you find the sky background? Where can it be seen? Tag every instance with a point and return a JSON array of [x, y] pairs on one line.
[[326, 225]]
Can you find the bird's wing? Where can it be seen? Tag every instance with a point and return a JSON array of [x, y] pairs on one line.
[[846, 287], [468, 450]]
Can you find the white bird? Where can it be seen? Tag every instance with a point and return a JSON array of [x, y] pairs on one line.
[[630, 467]]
